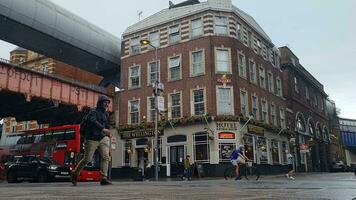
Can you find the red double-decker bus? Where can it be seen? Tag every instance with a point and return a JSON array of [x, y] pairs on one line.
[[61, 143]]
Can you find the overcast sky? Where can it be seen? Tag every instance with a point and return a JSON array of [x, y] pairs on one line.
[[322, 34]]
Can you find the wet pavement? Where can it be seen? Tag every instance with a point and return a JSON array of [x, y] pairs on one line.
[[306, 186]]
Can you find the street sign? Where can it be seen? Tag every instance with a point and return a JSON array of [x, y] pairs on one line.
[[160, 103]]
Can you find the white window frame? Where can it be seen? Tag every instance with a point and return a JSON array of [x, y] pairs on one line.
[[232, 110], [279, 86], [149, 80], [174, 34], [131, 77], [252, 73], [155, 41], [130, 111], [255, 106], [228, 50], [296, 84], [239, 31], [241, 62], [273, 114], [193, 103], [170, 67], [192, 64], [262, 76], [223, 25], [151, 112], [135, 47], [196, 30], [244, 102], [270, 82], [282, 118], [264, 110], [170, 106]]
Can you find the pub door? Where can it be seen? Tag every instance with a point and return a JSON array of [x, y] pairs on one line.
[[176, 158]]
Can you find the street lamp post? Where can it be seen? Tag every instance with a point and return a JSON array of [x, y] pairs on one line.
[[156, 89]]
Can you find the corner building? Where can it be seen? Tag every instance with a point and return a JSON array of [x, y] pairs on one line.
[[218, 67]]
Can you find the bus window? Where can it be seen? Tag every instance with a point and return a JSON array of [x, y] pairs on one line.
[[38, 137], [70, 134], [58, 135], [47, 136]]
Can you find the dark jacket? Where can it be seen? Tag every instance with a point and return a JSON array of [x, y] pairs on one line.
[[98, 119]]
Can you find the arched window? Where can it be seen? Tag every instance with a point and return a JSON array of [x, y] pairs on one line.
[[318, 131], [300, 124], [311, 128], [325, 134]]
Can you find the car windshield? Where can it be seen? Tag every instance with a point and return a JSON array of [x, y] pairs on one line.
[[47, 160]]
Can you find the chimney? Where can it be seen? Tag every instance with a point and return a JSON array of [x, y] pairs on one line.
[[225, 4]]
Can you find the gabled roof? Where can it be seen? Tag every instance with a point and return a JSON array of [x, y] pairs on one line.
[[167, 15]]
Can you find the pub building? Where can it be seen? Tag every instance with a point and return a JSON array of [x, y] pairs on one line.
[[218, 67]]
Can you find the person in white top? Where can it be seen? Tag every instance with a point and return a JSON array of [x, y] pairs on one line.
[[290, 166]]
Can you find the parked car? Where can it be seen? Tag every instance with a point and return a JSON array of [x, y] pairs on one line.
[[35, 168], [338, 167]]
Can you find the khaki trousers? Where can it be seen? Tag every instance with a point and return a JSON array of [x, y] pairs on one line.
[[89, 149]]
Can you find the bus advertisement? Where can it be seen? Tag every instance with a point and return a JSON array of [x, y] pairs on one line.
[[61, 143]]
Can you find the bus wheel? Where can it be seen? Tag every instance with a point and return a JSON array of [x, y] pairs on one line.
[[12, 177], [42, 177]]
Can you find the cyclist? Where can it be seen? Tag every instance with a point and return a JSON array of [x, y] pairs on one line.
[[237, 158]]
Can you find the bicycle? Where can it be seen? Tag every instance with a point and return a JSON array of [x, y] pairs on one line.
[[249, 171]]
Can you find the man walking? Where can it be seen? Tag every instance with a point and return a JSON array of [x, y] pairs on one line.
[[290, 166], [97, 136]]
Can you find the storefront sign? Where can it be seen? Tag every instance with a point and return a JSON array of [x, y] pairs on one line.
[[226, 135], [226, 126], [139, 133], [255, 130], [304, 148]]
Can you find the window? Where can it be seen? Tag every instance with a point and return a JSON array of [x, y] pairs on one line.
[[300, 125], [243, 103], [201, 147], [238, 32], [249, 146], [252, 72], [127, 150], [174, 34], [174, 69], [198, 102], [255, 107], [175, 105], [270, 82], [279, 86], [259, 47], [315, 101], [242, 65], [154, 39], [153, 73], [307, 93], [249, 35], [264, 111], [45, 68], [275, 152], [151, 109], [262, 77], [222, 60], [273, 115], [296, 84], [135, 46], [221, 26], [134, 81], [282, 118], [225, 106], [197, 63], [134, 109], [225, 151], [197, 28], [262, 150]]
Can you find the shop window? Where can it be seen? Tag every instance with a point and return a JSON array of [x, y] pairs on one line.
[[249, 149], [262, 150], [275, 152], [201, 147], [225, 151], [127, 150]]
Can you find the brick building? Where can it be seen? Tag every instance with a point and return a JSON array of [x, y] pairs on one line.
[[218, 66], [307, 114]]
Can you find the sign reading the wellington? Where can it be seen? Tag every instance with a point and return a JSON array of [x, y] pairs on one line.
[[226, 126], [226, 135], [139, 133]]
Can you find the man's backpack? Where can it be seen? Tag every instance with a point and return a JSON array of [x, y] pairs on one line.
[[84, 125]]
